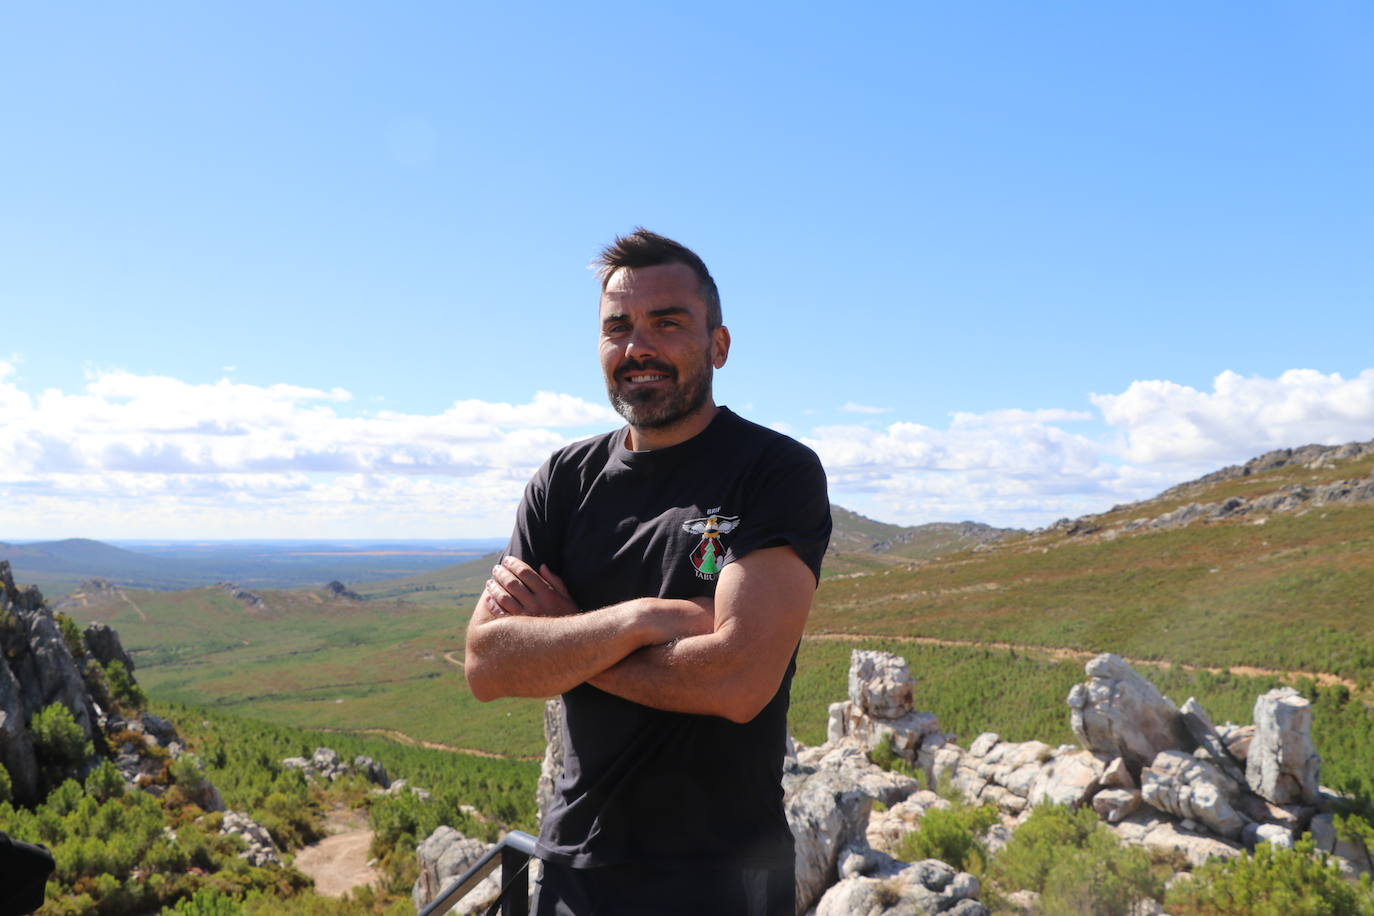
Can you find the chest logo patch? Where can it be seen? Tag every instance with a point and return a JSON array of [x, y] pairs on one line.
[[710, 554]]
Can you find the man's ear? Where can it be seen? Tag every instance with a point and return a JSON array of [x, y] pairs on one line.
[[720, 346]]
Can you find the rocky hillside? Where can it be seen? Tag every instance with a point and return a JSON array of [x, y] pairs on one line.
[[1269, 564], [43, 666]]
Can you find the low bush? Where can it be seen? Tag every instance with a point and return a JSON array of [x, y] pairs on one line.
[[951, 835], [1272, 882], [1076, 864]]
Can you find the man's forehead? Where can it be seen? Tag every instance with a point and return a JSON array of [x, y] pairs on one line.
[[660, 284]]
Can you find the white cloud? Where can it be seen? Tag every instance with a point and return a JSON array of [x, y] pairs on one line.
[[1022, 467], [851, 407], [153, 456], [1163, 422], [136, 452]]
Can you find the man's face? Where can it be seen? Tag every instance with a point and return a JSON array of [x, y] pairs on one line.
[[656, 351]]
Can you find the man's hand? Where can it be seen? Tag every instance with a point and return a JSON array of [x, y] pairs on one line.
[[515, 588]]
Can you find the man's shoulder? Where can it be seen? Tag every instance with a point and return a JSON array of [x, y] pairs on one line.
[[584, 458], [766, 440]]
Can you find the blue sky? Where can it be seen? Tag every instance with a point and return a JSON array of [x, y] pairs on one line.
[[273, 270]]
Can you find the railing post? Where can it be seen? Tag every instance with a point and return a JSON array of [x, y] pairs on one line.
[[515, 875]]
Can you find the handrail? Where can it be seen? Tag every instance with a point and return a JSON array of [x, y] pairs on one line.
[[511, 853]]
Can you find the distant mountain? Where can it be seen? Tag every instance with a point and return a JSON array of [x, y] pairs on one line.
[[85, 557], [857, 533], [56, 567]]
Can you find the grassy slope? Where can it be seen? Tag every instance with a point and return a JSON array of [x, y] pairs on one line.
[[1295, 592]]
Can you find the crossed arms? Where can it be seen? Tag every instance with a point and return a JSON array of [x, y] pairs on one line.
[[723, 657]]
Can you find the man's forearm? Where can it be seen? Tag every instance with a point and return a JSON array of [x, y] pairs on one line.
[[704, 675], [533, 656], [760, 607]]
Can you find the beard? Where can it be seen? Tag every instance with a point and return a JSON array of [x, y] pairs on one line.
[[656, 409]]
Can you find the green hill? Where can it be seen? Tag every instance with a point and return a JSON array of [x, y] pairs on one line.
[[1284, 580]]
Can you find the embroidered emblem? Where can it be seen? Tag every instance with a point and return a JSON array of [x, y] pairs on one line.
[[709, 554]]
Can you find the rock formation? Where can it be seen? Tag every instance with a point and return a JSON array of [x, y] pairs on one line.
[[1282, 765], [1162, 777], [325, 763], [445, 855], [37, 669], [1117, 713]]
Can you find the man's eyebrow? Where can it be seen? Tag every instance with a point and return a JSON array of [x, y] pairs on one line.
[[653, 313]]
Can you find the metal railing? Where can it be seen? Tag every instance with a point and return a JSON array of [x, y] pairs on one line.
[[512, 854]]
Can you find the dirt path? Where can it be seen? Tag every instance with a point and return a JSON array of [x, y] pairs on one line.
[[141, 616], [402, 738], [338, 863], [1060, 654], [448, 657]]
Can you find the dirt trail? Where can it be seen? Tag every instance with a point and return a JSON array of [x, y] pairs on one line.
[[338, 863], [141, 616], [1060, 654], [402, 738], [448, 657]]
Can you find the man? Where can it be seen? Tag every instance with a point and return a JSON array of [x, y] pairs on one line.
[[659, 578]]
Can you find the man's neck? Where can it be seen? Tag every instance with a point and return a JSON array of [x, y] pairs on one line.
[[644, 440]]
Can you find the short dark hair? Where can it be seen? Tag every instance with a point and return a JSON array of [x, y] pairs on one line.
[[642, 248]]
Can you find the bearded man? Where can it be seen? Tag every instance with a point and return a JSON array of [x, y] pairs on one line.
[[659, 578]]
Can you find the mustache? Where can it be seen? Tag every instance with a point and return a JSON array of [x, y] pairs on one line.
[[631, 366]]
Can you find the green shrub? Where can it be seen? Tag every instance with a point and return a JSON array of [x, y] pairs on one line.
[[206, 902], [950, 835], [123, 687], [6, 786], [1075, 864], [71, 635], [105, 782], [1272, 882], [58, 742], [886, 757]]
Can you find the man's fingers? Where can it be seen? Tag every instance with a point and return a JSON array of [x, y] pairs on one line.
[[502, 598], [526, 575], [554, 581], [513, 585]]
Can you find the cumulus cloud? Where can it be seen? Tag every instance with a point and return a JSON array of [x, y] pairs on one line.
[[132, 455], [1028, 467], [1166, 422], [132, 447]]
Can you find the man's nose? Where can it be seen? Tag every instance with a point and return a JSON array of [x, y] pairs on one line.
[[639, 345]]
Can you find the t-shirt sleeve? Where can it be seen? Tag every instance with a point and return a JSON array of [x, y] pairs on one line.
[[533, 537], [788, 505]]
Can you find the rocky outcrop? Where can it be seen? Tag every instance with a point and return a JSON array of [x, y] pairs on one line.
[[928, 886], [1162, 777], [37, 669], [1293, 498], [1117, 713], [337, 589], [444, 855], [880, 708], [104, 646], [1195, 790], [249, 599], [1283, 765], [552, 764], [260, 851], [326, 763]]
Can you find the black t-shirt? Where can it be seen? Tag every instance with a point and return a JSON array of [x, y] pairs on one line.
[[641, 784]]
